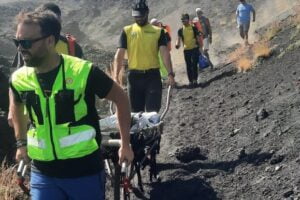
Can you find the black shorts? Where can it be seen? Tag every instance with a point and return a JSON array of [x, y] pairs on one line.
[[144, 90]]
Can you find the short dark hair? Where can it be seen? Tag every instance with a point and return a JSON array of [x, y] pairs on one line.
[[47, 20], [50, 6], [185, 16]]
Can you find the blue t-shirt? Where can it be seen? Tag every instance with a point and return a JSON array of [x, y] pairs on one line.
[[243, 13]]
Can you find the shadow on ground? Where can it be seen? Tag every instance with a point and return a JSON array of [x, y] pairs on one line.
[[256, 158], [192, 189], [208, 82]]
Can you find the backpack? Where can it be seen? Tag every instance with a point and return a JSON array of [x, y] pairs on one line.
[[167, 28], [203, 61]]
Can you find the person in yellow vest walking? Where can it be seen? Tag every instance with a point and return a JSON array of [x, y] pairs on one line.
[[143, 41], [189, 36], [57, 93]]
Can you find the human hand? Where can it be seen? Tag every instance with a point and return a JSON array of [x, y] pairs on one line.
[[171, 80], [21, 154], [125, 154]]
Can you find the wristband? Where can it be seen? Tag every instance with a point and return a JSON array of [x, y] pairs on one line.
[[21, 143]]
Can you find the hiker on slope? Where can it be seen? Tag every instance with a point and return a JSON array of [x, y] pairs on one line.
[[243, 17], [143, 42], [59, 91], [189, 35], [205, 34]]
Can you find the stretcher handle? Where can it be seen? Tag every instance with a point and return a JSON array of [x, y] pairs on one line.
[[167, 103]]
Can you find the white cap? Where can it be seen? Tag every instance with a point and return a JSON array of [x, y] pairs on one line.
[[196, 19], [198, 10], [154, 21]]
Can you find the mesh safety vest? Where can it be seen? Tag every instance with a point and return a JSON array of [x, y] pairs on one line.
[[57, 130]]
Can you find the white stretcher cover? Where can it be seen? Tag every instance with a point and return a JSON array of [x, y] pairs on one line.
[[140, 121]]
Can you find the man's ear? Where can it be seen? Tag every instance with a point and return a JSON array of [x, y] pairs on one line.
[[51, 41]]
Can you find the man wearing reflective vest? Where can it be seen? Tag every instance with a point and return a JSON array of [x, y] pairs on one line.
[[57, 92], [66, 43], [143, 42], [188, 35]]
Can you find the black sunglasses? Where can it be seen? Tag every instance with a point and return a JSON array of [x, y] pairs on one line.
[[27, 44]]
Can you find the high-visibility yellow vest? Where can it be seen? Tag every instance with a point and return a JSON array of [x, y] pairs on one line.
[[142, 46], [56, 133]]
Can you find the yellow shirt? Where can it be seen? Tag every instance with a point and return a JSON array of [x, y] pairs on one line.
[[189, 41], [142, 46]]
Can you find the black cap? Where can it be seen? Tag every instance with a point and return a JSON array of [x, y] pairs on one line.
[[139, 8], [50, 6]]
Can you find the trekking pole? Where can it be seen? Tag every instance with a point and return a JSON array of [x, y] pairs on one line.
[[167, 103], [21, 171]]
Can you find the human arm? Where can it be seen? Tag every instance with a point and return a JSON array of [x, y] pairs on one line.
[[119, 56], [19, 120], [178, 43], [118, 64], [166, 57], [120, 99], [178, 40]]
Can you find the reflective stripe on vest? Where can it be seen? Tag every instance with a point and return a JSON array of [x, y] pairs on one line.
[[77, 138], [40, 143], [53, 137]]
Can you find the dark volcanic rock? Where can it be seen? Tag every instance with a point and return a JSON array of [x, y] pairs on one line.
[[261, 114], [189, 153]]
